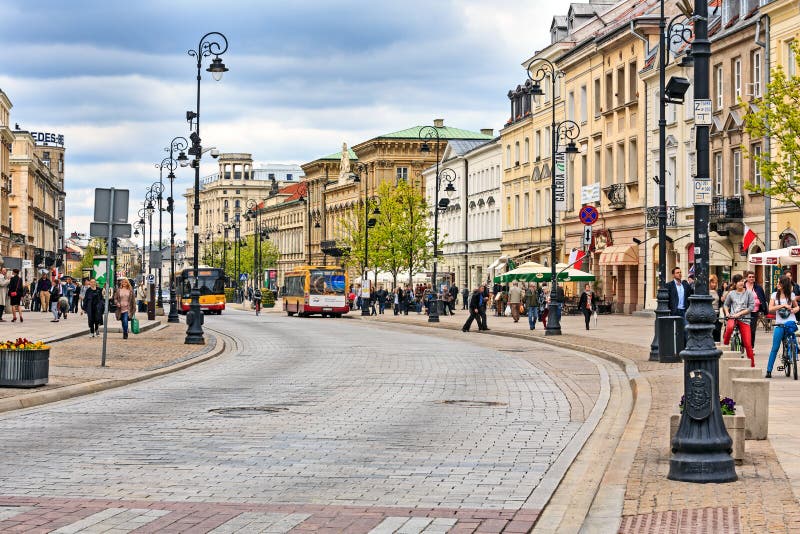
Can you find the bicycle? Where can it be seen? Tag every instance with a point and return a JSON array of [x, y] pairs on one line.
[[257, 303], [789, 351]]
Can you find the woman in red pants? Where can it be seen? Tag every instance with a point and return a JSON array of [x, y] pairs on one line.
[[738, 305]]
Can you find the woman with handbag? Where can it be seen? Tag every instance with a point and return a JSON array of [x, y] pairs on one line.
[[15, 292], [125, 302]]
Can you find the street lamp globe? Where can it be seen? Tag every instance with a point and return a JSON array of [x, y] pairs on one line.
[[217, 68]]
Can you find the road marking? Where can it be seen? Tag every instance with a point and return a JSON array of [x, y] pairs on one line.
[[124, 519]]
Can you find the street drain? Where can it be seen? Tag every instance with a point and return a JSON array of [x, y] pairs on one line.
[[241, 411], [473, 403]]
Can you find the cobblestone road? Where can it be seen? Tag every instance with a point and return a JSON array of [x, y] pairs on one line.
[[313, 424]]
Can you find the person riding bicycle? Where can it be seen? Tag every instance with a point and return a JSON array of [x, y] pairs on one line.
[[783, 304], [738, 305], [257, 300]]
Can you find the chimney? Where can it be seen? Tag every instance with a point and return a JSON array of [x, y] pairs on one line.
[[439, 123], [487, 131]]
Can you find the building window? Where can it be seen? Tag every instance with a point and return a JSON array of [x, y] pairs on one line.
[[516, 211], [271, 176], [584, 104], [757, 74], [526, 150], [225, 217], [547, 142], [621, 86], [633, 163], [237, 204], [537, 214], [289, 176], [737, 173], [609, 165], [597, 98], [609, 91], [737, 80], [402, 174], [526, 206], [791, 59], [632, 81], [621, 178], [537, 145], [718, 85], [508, 156], [584, 168], [758, 180], [516, 153], [718, 174], [571, 105], [225, 204], [61, 163], [598, 166]]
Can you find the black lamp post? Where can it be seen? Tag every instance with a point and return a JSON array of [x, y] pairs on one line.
[[701, 448], [222, 230], [668, 94], [254, 213], [213, 43], [426, 134], [369, 222], [569, 131], [236, 251], [140, 225], [178, 144], [149, 208]]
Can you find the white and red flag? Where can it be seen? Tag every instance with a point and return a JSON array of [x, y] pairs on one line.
[[749, 237], [576, 258]]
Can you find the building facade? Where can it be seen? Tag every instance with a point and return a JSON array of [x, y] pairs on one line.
[[6, 143], [224, 196], [470, 226], [36, 202]]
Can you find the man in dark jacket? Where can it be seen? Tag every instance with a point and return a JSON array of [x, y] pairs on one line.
[[679, 293], [484, 302], [453, 299], [475, 303], [464, 298]]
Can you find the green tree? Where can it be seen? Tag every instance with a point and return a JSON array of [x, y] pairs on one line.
[[87, 261], [387, 234], [778, 115], [415, 233], [217, 251], [351, 227]]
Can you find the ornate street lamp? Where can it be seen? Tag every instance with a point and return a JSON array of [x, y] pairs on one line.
[[213, 43], [569, 131], [178, 144]]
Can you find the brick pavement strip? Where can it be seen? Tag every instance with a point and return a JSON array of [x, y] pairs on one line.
[[762, 500]]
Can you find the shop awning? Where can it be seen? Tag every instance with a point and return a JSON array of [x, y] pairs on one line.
[[620, 255], [720, 254]]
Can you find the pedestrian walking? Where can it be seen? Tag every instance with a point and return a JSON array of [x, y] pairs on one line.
[[544, 304], [515, 295], [465, 298], [55, 295], [5, 281], [475, 303], [453, 299], [43, 287], [482, 310], [532, 304], [94, 307], [398, 299], [125, 304], [16, 290], [141, 296], [587, 304], [373, 301], [381, 294]]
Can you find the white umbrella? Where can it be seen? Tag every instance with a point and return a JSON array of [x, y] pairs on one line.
[[780, 256]]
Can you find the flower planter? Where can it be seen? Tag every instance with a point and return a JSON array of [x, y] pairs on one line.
[[734, 424], [24, 368]]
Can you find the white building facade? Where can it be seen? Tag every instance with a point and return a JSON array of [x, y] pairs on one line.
[[470, 226]]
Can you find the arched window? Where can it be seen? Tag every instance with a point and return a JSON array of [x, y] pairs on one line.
[[516, 153], [526, 149], [788, 239], [225, 205]]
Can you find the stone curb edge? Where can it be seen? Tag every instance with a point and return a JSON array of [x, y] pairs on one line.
[[95, 386], [610, 494]]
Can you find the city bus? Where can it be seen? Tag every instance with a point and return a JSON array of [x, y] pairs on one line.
[[314, 289], [211, 283]]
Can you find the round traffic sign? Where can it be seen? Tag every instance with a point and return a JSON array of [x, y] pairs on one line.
[[589, 215]]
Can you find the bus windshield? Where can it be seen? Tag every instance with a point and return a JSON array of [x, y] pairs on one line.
[[208, 285], [327, 282]]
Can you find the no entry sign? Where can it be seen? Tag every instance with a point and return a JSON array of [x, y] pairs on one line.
[[589, 215]]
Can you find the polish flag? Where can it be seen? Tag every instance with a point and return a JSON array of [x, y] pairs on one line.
[[749, 237], [576, 258]]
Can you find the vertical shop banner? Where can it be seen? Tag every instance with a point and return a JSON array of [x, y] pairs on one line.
[[560, 184]]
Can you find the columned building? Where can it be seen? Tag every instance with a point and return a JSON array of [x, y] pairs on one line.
[[36, 201], [470, 226], [224, 195]]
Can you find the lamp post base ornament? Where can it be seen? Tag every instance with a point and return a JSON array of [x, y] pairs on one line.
[[194, 320]]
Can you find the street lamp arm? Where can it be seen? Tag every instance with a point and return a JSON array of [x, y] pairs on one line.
[[567, 130], [210, 45]]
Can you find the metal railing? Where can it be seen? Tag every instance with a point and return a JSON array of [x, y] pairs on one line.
[[726, 209], [615, 193], [651, 216]]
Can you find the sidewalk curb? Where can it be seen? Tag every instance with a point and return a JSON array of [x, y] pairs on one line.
[[607, 504], [76, 390]]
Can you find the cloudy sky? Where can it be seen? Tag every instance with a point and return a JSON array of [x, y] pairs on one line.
[[114, 77]]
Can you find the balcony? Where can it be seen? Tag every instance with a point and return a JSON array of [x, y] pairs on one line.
[[615, 193], [726, 209], [651, 217]]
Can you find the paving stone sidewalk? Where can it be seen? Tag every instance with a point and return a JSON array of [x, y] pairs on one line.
[[762, 500], [75, 357]]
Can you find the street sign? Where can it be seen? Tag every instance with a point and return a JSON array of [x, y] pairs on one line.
[[702, 192], [151, 279], [243, 277], [587, 235], [560, 183], [589, 215], [702, 112], [590, 193], [102, 206], [118, 230]]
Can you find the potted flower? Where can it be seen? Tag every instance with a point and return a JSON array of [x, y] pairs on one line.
[[732, 417], [267, 298], [24, 363]]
